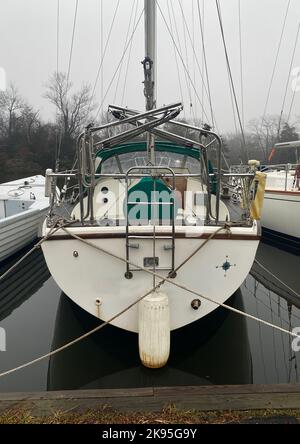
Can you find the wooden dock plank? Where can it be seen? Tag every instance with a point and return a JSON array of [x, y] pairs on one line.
[[202, 398]]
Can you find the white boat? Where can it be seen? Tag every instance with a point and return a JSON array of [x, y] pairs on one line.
[[27, 278], [23, 206], [281, 213], [147, 207]]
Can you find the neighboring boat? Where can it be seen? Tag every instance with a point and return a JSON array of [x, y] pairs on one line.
[[281, 213], [23, 207], [153, 204]]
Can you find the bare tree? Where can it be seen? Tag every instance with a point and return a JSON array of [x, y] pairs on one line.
[[29, 122], [73, 108], [266, 133], [11, 107]]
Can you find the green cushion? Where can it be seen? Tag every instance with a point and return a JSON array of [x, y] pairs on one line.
[[143, 191]]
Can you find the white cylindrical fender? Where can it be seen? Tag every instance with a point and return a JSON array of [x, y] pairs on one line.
[[154, 330]]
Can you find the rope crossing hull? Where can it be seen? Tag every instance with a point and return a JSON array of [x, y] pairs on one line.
[[92, 274]]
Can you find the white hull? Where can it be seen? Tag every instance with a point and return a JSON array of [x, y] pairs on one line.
[[281, 212], [18, 231], [23, 207], [94, 276]]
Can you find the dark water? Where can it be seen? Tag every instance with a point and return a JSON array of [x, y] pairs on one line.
[[224, 348]]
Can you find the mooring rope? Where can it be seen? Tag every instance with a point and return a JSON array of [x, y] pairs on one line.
[[35, 247], [277, 278], [181, 286], [163, 280]]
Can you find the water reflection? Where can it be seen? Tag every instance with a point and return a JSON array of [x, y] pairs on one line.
[[224, 348], [25, 280], [265, 297], [212, 351], [28, 303]]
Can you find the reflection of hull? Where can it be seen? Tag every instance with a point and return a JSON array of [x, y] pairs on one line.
[[87, 275], [281, 264], [22, 282], [212, 350], [280, 219]]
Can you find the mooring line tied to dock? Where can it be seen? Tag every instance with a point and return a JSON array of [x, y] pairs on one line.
[[163, 279]]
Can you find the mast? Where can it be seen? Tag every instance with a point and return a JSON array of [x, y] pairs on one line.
[[149, 64]]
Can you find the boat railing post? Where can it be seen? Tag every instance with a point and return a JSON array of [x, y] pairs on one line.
[[287, 168], [218, 192], [92, 173], [80, 188]]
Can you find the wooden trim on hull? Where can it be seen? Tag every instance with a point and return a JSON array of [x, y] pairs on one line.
[[237, 237], [287, 193]]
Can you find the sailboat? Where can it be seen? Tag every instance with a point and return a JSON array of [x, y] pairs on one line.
[[148, 209], [280, 217]]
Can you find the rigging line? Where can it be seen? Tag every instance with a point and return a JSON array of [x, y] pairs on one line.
[[204, 61], [282, 337], [262, 303], [276, 60], [232, 102], [274, 276], [57, 34], [126, 39], [259, 333], [59, 131], [175, 55], [182, 61], [179, 46], [129, 56], [187, 61], [165, 279], [104, 52], [188, 85], [203, 45], [288, 81], [133, 304], [241, 62], [231, 77], [101, 49], [194, 61], [273, 340], [195, 55], [119, 64], [293, 98], [72, 41]]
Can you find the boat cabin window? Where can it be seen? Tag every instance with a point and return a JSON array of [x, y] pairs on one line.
[[178, 162]]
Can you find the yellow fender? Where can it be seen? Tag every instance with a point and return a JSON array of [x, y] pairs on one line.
[[257, 204]]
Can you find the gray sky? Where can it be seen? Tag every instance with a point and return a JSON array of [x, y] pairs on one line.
[[28, 52]]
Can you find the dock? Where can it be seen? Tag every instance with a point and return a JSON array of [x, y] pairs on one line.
[[154, 399]]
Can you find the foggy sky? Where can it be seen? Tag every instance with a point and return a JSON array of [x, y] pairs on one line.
[[28, 53]]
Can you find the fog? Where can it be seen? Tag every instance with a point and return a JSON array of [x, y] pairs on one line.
[[28, 53]]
